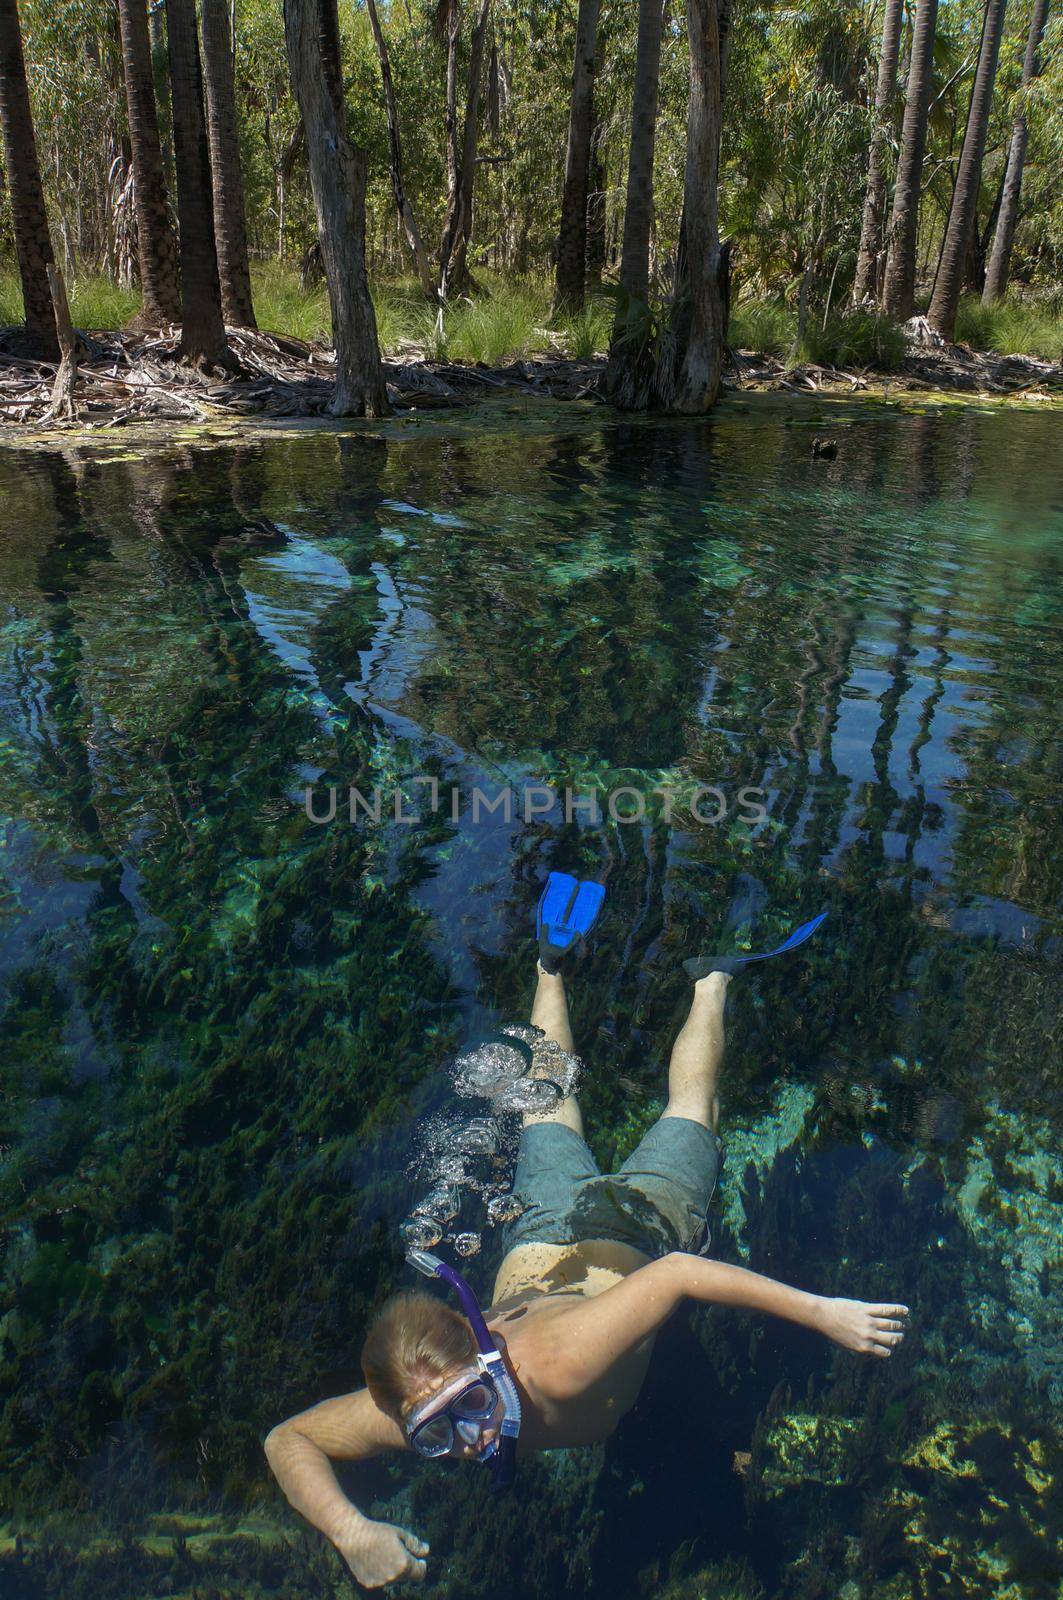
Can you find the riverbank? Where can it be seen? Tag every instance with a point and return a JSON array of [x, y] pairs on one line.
[[125, 378]]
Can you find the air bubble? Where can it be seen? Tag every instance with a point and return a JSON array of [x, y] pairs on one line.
[[467, 1244], [420, 1233], [488, 1069], [442, 1205], [530, 1094], [504, 1208]]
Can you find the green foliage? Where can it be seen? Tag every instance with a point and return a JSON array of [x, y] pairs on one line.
[[1014, 327], [588, 333], [503, 327], [856, 339], [98, 302], [764, 326], [282, 305]]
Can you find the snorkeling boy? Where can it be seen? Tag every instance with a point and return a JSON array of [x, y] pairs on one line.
[[592, 1270]]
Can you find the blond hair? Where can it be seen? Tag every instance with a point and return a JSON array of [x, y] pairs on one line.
[[414, 1343]]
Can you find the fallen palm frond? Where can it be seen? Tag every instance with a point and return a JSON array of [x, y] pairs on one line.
[[130, 376]]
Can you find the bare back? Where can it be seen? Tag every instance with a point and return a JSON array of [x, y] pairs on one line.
[[537, 1289]]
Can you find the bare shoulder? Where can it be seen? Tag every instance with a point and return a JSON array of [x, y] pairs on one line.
[[348, 1428]]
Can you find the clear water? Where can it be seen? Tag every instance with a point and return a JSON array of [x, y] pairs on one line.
[[222, 1023]]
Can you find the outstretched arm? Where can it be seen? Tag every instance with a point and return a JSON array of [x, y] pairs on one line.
[[350, 1428], [602, 1329]]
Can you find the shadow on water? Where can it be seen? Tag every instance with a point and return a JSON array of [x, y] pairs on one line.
[[220, 1020]]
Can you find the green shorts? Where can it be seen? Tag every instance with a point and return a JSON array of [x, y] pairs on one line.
[[657, 1202]]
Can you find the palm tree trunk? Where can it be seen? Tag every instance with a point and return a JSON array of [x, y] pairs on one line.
[[949, 284], [571, 276], [457, 226], [156, 244], [230, 224], [338, 179], [996, 277], [398, 184], [33, 244], [700, 298], [898, 291], [627, 351], [203, 339], [869, 255]]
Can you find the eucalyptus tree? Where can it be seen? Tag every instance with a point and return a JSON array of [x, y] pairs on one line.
[[33, 245], [203, 340], [869, 253], [571, 275], [898, 290], [948, 285], [996, 277], [156, 244], [230, 225], [457, 225], [403, 206], [338, 179]]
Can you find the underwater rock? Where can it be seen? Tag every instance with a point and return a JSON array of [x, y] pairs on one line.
[[799, 1448], [1011, 1204], [751, 1151]]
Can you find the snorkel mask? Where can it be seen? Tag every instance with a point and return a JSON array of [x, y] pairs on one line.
[[501, 1455]]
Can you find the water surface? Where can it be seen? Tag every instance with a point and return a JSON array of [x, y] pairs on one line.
[[220, 1021]]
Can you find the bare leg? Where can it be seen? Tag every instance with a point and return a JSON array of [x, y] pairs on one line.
[[550, 1013], [697, 1054]]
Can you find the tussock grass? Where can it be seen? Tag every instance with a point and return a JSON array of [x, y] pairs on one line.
[[1013, 327], [856, 339], [588, 333], [766, 327], [282, 305], [95, 302], [509, 321]]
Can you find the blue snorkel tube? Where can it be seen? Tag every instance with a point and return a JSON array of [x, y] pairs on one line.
[[501, 1456]]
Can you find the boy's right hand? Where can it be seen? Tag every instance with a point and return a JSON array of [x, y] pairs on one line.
[[379, 1553]]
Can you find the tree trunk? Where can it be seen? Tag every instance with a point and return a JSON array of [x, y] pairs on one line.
[[33, 244], [230, 224], [450, 119], [398, 186], [338, 179], [628, 352], [156, 245], [457, 227], [996, 278], [596, 210], [898, 291], [203, 339], [570, 281], [948, 287], [700, 298], [869, 255]]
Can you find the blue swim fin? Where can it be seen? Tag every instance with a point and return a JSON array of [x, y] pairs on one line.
[[568, 910], [700, 966]]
